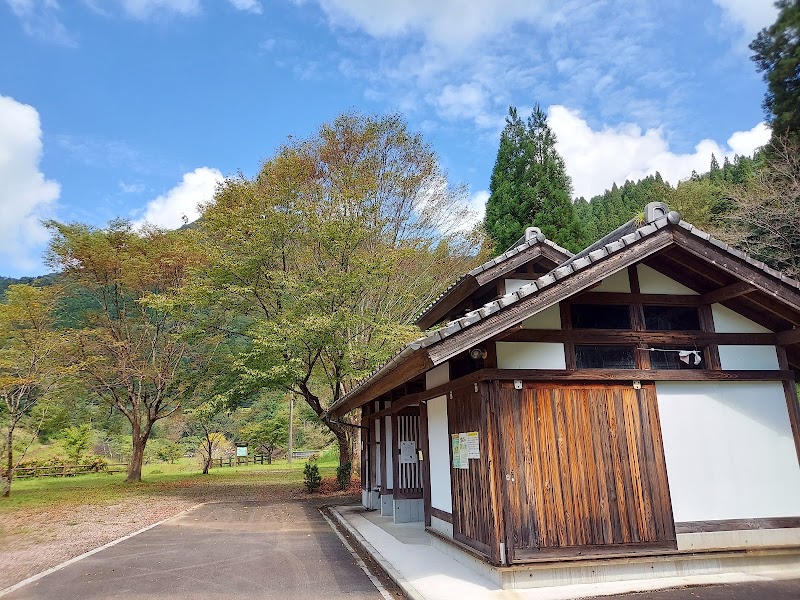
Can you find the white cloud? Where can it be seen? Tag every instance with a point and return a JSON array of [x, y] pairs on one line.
[[477, 206], [40, 20], [745, 142], [25, 195], [596, 159], [451, 23], [168, 210], [253, 6], [144, 9], [750, 15], [131, 188]]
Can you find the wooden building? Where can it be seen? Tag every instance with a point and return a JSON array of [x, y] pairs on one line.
[[637, 397]]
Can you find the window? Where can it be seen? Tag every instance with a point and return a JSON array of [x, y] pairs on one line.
[[671, 318], [605, 357], [601, 316], [674, 358]]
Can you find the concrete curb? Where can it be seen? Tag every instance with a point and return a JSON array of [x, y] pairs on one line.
[[375, 581], [393, 573], [75, 559]]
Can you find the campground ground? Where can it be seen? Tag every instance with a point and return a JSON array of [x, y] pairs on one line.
[[215, 550], [47, 521]]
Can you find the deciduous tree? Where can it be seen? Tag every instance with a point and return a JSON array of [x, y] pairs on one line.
[[132, 354], [31, 360], [324, 259]]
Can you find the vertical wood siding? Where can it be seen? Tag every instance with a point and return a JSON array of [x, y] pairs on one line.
[[472, 509], [587, 468]]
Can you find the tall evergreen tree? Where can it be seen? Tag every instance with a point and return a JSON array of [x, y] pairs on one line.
[[530, 185], [776, 51]]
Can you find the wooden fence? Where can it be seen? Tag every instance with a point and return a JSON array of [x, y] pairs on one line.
[[67, 470]]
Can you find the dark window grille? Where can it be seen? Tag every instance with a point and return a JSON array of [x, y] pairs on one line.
[[605, 357], [671, 318], [671, 361], [601, 316]]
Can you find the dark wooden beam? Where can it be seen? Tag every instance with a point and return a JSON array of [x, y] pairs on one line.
[[788, 337], [729, 291], [722, 260], [441, 390], [634, 374], [614, 336], [623, 298], [412, 367], [737, 524]]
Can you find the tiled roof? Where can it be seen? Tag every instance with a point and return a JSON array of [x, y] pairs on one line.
[[573, 265], [520, 246]]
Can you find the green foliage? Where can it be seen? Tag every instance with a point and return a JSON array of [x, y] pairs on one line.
[[776, 52], [530, 185], [344, 474], [131, 348], [323, 260], [77, 441], [311, 477], [170, 452]]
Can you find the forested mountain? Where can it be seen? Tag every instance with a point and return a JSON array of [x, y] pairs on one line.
[[48, 279]]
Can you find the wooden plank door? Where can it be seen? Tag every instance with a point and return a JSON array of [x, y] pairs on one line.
[[585, 469]]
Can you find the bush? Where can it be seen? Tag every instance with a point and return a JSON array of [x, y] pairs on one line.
[[312, 477], [343, 474]]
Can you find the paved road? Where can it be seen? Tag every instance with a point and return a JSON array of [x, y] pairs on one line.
[[765, 590], [230, 550]]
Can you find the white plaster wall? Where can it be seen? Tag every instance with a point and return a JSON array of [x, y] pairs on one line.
[[748, 357], [387, 439], [437, 376], [549, 318], [530, 355], [653, 282], [729, 450], [618, 282], [439, 450], [512, 285], [728, 321]]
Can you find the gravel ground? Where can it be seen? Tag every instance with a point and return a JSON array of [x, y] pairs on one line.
[[33, 540]]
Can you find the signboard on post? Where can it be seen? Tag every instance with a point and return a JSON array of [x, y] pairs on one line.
[[241, 450]]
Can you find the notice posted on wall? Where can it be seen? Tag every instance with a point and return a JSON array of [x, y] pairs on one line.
[[473, 445], [462, 450], [408, 452], [455, 444]]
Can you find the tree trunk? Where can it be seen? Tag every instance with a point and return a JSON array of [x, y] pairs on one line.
[[137, 459], [209, 455], [9, 464], [343, 439]]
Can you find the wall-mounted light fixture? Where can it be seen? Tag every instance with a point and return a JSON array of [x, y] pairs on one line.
[[477, 353]]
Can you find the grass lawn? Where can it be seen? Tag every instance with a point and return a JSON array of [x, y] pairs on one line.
[[181, 478]]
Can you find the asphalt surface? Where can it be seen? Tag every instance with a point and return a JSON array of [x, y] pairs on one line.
[[762, 590], [228, 550]]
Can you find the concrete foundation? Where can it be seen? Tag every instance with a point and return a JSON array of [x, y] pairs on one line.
[[387, 505], [371, 499], [761, 562], [409, 510]]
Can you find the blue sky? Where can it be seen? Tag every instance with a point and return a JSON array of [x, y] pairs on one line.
[[136, 108]]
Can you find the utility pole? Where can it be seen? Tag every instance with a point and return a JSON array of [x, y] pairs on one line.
[[291, 430]]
